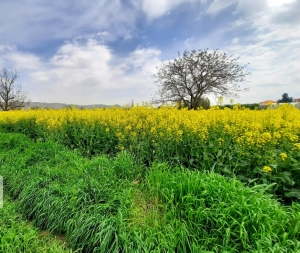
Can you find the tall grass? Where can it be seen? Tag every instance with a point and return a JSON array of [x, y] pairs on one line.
[[112, 205], [223, 215], [17, 235], [62, 192]]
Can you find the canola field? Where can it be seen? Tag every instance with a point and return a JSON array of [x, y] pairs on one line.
[[256, 146], [156, 180]]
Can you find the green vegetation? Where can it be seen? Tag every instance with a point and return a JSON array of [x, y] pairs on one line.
[[254, 146], [254, 106], [17, 235], [285, 98], [201, 102], [104, 204]]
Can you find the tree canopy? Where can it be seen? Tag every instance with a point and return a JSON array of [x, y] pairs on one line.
[[195, 74], [285, 98]]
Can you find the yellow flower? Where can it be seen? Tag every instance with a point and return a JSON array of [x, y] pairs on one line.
[[297, 146], [283, 156], [267, 169]]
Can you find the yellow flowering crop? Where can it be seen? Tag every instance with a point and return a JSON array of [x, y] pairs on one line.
[[267, 169], [283, 156], [296, 146], [165, 126]]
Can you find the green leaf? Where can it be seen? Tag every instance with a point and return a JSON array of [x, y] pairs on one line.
[[285, 177], [293, 193], [263, 187], [274, 165], [227, 170], [242, 178], [243, 163]]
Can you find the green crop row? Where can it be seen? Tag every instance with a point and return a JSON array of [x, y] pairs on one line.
[[16, 235], [61, 192], [113, 205]]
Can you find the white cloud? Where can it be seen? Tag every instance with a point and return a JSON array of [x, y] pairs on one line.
[[87, 73], [218, 5], [158, 8], [253, 7], [12, 58], [188, 42], [279, 3], [32, 22], [264, 35], [235, 40], [24, 60], [272, 50], [142, 60]]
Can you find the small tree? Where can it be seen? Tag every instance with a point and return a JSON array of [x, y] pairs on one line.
[[197, 73], [11, 95], [285, 98]]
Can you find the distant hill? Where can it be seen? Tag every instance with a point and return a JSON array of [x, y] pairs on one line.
[[61, 105]]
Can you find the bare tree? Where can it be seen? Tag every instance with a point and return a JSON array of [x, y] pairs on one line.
[[11, 95], [197, 73]]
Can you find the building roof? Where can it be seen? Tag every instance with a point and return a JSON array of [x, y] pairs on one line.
[[267, 102]]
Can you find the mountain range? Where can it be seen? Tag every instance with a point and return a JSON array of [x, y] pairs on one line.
[[35, 105]]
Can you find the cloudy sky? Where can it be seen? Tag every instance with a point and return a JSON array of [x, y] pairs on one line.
[[106, 51]]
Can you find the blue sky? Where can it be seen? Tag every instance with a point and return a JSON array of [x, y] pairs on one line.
[[106, 51]]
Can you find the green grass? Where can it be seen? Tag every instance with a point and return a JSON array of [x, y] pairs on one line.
[[17, 235], [212, 213], [62, 192], [107, 204]]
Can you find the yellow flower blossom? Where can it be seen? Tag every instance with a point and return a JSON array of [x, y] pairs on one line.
[[283, 156], [267, 169], [297, 146], [220, 141]]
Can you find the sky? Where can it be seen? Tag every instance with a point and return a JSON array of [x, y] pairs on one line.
[[106, 51]]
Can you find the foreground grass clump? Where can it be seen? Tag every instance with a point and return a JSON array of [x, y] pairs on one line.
[[16, 235], [62, 192], [206, 211], [112, 205]]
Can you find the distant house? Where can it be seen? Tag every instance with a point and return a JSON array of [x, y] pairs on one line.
[[268, 102], [274, 104], [265, 104]]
